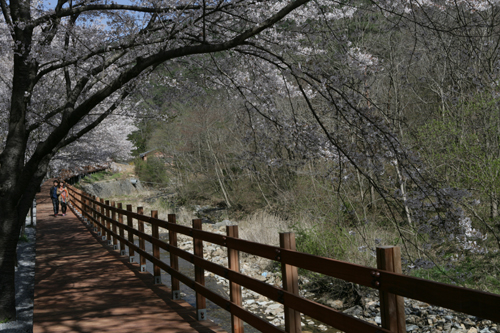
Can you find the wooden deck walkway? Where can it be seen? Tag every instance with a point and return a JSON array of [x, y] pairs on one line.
[[83, 286]]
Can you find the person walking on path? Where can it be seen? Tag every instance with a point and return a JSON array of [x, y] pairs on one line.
[[63, 194], [53, 196]]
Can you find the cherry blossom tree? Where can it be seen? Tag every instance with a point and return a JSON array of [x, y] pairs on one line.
[[361, 96], [66, 67], [106, 143]]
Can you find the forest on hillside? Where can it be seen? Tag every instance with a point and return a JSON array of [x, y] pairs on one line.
[[371, 129]]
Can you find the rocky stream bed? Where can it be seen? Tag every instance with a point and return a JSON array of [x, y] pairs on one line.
[[420, 317]]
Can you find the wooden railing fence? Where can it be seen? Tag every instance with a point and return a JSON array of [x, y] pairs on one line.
[[108, 221]]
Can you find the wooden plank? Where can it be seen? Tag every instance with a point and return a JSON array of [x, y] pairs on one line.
[[122, 232], [156, 249], [130, 234], [199, 272], [99, 214], [331, 267], [329, 316], [113, 218], [258, 249], [473, 302], [392, 308], [92, 204], [234, 288], [290, 277], [107, 222], [174, 260], [142, 244]]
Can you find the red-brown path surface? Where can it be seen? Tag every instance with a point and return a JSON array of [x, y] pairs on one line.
[[82, 286]]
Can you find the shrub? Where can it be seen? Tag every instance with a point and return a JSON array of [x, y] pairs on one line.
[[152, 171]]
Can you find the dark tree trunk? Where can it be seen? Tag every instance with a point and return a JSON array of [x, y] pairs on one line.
[[14, 210], [8, 243]]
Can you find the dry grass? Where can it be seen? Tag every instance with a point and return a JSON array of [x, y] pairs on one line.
[[184, 215], [356, 246], [263, 227]]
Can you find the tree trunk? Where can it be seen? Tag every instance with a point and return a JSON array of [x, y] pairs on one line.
[[494, 205], [373, 202], [403, 194], [16, 199], [8, 243]]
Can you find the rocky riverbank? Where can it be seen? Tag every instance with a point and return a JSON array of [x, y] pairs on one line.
[[420, 317]]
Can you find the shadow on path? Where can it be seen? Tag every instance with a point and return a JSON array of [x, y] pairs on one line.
[[81, 285]]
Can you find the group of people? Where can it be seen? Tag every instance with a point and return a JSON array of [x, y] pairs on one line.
[[59, 195]]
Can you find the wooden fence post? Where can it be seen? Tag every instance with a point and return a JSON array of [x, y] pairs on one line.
[[392, 307], [156, 249], [290, 278], [113, 217], [130, 235], [199, 273], [234, 289], [82, 203], [122, 233], [87, 210], [84, 208], [108, 224], [101, 218], [94, 212], [174, 260], [142, 244]]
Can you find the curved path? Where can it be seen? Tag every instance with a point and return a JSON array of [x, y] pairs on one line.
[[81, 285]]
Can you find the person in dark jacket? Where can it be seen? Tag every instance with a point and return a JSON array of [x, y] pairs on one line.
[[53, 196]]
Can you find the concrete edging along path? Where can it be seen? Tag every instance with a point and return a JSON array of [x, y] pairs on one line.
[[83, 286]]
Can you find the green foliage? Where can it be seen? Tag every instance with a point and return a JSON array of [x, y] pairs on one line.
[[478, 272], [96, 177], [153, 171], [462, 148], [24, 238], [323, 239], [141, 137]]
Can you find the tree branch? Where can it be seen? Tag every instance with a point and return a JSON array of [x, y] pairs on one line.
[[78, 10]]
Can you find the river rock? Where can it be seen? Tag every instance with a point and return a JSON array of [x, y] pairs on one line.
[[274, 309], [336, 304], [409, 328], [354, 311]]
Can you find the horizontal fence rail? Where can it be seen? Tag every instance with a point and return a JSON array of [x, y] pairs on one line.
[[107, 220]]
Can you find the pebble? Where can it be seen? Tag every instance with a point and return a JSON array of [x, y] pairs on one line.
[[409, 328]]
